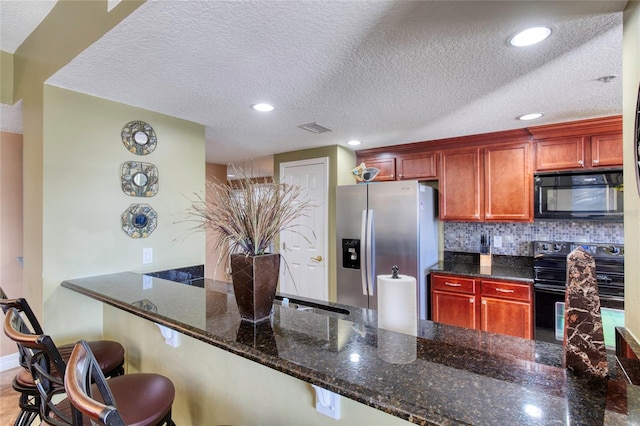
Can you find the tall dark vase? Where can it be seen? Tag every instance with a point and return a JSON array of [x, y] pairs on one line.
[[255, 279]]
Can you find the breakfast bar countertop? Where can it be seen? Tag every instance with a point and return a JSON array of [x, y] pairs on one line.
[[447, 375]]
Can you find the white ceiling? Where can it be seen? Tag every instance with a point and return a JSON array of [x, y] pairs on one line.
[[384, 72]]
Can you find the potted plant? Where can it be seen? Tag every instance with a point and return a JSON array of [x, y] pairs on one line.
[[247, 217]]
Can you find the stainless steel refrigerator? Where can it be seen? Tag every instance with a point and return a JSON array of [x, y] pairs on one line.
[[379, 225]]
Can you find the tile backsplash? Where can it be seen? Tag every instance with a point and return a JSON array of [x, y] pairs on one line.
[[517, 237]]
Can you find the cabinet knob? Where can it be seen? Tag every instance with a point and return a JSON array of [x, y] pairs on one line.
[[484, 302], [596, 161], [471, 300], [581, 162]]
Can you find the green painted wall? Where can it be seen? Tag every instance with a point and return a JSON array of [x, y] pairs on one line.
[[83, 201], [6, 78]]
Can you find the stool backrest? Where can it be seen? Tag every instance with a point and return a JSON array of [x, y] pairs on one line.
[[46, 365], [82, 371], [22, 306]]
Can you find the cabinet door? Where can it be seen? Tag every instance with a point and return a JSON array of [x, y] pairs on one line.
[[606, 150], [418, 167], [560, 153], [454, 308], [387, 167], [460, 189], [506, 317], [508, 183]]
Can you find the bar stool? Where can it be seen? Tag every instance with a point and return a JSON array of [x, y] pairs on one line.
[[109, 353], [140, 399]]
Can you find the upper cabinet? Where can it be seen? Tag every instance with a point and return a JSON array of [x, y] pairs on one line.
[[489, 177], [586, 144], [418, 166], [387, 167], [460, 185], [508, 183], [490, 183]]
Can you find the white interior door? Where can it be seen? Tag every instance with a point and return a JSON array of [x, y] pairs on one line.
[[304, 260]]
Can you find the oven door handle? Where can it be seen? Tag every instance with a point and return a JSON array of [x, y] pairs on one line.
[[549, 288], [561, 290]]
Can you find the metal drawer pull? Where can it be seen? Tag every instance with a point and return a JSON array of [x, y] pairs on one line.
[[501, 290], [453, 284]]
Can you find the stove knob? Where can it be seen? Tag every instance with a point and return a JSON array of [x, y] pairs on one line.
[[557, 247], [544, 246]]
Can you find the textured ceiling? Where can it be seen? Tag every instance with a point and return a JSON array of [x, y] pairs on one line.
[[384, 72]]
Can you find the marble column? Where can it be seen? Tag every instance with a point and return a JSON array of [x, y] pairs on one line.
[[585, 351]]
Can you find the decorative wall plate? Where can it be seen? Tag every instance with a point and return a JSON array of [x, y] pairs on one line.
[[139, 137], [139, 179], [139, 220]]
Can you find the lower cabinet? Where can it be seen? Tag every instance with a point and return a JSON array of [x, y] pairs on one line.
[[497, 306]]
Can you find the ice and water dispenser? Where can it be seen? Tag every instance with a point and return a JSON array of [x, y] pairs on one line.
[[351, 254]]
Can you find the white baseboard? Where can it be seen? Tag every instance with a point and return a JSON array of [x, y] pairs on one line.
[[8, 362]]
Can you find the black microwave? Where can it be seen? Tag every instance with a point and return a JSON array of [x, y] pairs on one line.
[[579, 195]]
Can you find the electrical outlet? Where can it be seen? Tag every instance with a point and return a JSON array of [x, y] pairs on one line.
[[497, 241], [147, 255]]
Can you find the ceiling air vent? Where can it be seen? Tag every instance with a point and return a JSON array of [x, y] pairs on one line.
[[314, 128]]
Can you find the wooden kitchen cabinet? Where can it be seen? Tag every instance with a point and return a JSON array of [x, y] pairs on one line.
[[606, 150], [506, 308], [496, 306], [508, 183], [493, 183], [579, 152], [560, 154], [585, 144], [423, 166], [454, 300], [387, 167], [460, 185]]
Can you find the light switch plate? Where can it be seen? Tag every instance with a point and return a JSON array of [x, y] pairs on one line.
[[147, 255], [497, 241]]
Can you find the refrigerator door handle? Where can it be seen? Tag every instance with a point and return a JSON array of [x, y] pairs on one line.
[[363, 239], [369, 247]]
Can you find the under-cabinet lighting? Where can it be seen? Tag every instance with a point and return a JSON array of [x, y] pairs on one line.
[[530, 36]]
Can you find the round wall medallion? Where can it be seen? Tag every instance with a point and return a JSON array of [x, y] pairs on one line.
[[139, 137], [139, 179], [139, 220]]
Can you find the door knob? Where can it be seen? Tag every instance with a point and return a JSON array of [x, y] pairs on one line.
[[317, 258]]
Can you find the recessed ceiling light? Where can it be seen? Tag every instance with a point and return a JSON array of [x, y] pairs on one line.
[[354, 142], [532, 116], [530, 36], [263, 107]]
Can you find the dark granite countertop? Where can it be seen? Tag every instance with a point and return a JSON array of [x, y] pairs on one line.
[[447, 375], [511, 268]]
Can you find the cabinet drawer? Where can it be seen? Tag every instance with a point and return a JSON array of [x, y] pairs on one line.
[[506, 290], [453, 283]]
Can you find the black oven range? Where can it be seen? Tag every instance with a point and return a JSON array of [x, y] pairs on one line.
[[550, 274]]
